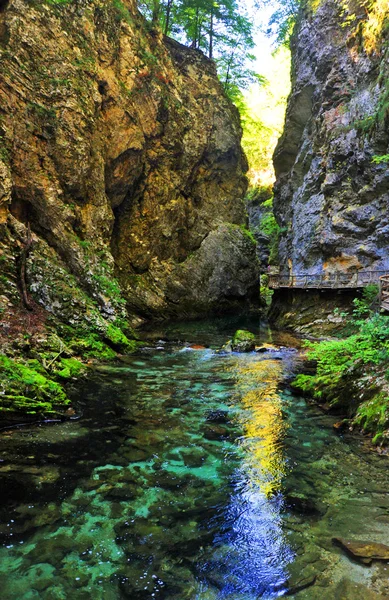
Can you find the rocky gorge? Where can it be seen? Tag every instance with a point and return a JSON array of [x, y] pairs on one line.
[[143, 455]]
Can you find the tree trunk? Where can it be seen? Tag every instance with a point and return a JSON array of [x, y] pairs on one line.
[[156, 11], [168, 13], [211, 35], [196, 40]]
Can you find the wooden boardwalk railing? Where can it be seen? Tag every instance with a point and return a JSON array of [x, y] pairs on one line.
[[333, 281], [384, 292]]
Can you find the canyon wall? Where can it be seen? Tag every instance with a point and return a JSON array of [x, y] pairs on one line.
[[332, 192], [120, 150]]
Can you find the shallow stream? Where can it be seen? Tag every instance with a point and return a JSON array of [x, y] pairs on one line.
[[191, 474]]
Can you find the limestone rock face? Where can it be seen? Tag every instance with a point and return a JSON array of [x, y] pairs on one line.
[[331, 198], [123, 153]]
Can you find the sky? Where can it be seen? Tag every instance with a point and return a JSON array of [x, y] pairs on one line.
[[264, 44]]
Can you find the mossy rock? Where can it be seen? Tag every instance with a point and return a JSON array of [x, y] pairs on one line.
[[28, 390], [243, 341], [116, 338], [70, 367], [373, 416]]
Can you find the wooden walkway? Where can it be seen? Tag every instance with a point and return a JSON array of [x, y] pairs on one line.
[[335, 281]]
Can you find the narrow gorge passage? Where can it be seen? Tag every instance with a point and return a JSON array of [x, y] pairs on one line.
[[168, 161], [191, 474]]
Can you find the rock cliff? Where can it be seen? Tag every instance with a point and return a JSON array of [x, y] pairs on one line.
[[123, 153], [121, 183], [332, 195]]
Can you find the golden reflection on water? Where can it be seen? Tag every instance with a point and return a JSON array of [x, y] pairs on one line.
[[257, 384]]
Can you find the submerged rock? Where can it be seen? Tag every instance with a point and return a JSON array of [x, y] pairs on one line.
[[304, 504], [364, 552], [266, 348], [300, 582], [340, 426], [217, 416], [347, 588]]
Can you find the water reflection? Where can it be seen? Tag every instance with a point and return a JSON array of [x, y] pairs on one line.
[[257, 383], [251, 543]]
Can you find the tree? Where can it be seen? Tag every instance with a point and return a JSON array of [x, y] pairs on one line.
[[282, 19], [220, 29]]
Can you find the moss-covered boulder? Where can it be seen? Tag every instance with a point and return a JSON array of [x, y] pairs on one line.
[[243, 341], [27, 389]]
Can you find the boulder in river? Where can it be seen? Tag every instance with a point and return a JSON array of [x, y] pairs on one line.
[[243, 341], [364, 552]]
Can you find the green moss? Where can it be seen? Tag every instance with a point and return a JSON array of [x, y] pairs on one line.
[[91, 346], [116, 337], [247, 233], [243, 341], [27, 389], [13, 403], [241, 335], [337, 359], [122, 12], [378, 160], [110, 287], [4, 151], [349, 372], [42, 112], [373, 416], [70, 367]]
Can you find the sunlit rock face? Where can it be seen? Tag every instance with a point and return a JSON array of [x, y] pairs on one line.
[[123, 153], [331, 199]]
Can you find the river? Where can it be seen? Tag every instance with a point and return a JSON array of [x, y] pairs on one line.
[[191, 474]]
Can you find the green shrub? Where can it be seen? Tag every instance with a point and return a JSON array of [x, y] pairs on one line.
[[270, 227], [363, 306], [337, 360], [384, 158]]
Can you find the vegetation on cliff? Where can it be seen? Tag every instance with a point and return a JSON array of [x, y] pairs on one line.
[[352, 374], [222, 30]]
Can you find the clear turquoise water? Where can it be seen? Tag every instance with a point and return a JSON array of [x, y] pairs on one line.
[[190, 474]]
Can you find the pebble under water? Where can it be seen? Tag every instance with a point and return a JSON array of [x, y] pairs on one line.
[[190, 475]]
